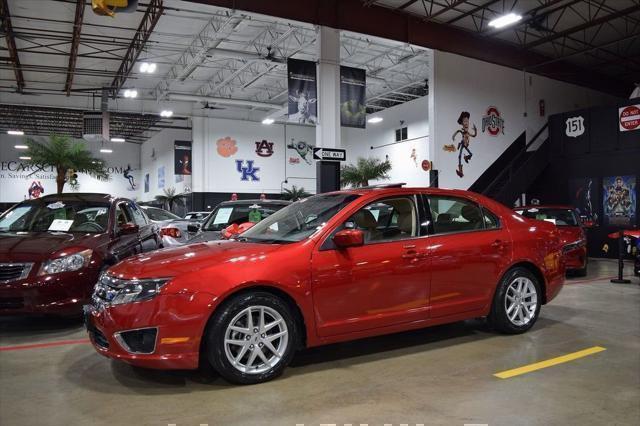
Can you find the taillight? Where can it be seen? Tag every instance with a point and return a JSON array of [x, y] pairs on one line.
[[171, 232]]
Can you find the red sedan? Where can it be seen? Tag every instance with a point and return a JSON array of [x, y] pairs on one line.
[[571, 232], [333, 267]]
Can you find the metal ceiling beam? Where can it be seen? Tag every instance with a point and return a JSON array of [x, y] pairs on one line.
[[406, 5], [534, 16], [75, 42], [589, 24], [472, 11], [149, 20], [7, 29], [452, 6]]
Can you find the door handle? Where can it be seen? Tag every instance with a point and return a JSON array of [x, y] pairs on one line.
[[413, 254], [498, 244]]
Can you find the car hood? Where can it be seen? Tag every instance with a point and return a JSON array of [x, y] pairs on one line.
[[37, 246], [204, 236], [190, 258]]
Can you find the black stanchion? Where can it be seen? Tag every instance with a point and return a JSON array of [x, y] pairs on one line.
[[620, 280]]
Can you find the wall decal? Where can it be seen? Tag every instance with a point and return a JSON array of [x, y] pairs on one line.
[[303, 149], [35, 189], [226, 146], [414, 156], [619, 200], [128, 176], [264, 148], [629, 118], [248, 172], [449, 148], [463, 120], [492, 122], [426, 165], [575, 126]]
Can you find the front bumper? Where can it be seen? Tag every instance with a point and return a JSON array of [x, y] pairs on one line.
[[59, 294], [576, 259], [179, 321]]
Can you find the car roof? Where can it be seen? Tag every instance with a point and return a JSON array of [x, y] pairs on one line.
[[79, 196], [545, 206]]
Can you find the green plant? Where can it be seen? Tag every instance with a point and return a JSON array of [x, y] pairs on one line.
[[64, 154], [170, 198], [366, 169], [294, 194]]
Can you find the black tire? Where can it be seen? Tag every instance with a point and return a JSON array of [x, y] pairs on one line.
[[215, 351], [498, 317]]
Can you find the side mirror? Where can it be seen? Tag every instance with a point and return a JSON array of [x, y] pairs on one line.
[[348, 238], [129, 228], [193, 227]]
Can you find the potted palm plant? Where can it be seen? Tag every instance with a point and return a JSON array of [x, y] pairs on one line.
[[64, 155], [170, 198], [365, 170], [294, 194]]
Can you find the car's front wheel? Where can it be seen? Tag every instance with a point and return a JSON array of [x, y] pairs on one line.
[[517, 302], [252, 338]]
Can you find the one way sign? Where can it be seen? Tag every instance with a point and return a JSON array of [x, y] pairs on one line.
[[329, 154]]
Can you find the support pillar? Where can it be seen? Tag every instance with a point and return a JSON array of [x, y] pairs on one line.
[[328, 125]]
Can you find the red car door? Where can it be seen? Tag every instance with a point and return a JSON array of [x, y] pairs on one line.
[[468, 251], [381, 283]]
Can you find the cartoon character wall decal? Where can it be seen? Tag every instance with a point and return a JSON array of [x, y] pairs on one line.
[[128, 176], [35, 189], [303, 149], [463, 145], [226, 146], [414, 156]]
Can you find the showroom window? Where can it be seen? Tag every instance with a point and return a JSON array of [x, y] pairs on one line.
[[452, 214], [385, 220]]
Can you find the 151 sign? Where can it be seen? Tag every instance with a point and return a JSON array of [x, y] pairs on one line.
[[575, 126]]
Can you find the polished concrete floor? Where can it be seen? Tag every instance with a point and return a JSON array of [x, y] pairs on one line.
[[442, 375]]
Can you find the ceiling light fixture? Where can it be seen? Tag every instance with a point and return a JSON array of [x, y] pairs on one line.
[[21, 147], [106, 151], [166, 113], [374, 120], [147, 67], [117, 140], [131, 93], [268, 121], [15, 132], [24, 158], [504, 20]]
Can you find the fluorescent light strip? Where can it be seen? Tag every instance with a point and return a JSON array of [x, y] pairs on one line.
[[21, 147], [374, 120], [117, 140], [504, 20], [24, 158], [15, 132], [106, 151], [268, 121]]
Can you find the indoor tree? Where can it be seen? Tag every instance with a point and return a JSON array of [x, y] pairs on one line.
[[64, 154], [170, 198], [294, 194], [366, 169]]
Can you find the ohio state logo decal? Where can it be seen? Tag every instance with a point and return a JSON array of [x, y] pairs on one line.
[[492, 123], [264, 148]]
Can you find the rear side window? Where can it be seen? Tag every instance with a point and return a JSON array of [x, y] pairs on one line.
[[453, 214], [491, 221]]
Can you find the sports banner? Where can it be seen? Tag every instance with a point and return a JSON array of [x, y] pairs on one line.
[[353, 85], [303, 92], [182, 157]]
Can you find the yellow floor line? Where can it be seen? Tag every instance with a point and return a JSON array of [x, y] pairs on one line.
[[549, 362]]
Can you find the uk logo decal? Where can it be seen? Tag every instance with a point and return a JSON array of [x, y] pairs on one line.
[[248, 171], [264, 148]]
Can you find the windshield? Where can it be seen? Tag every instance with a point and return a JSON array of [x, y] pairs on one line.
[[298, 220], [226, 215], [159, 214], [61, 216], [559, 217]]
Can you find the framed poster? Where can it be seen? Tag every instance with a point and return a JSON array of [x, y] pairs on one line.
[[583, 196], [146, 182], [161, 177], [182, 158], [619, 201], [303, 92]]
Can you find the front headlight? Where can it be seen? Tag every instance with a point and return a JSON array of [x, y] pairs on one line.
[[72, 262], [114, 291]]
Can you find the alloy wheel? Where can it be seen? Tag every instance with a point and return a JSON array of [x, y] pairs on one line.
[[521, 301], [256, 339]]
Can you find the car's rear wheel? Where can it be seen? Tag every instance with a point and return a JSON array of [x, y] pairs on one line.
[[252, 338], [516, 304]]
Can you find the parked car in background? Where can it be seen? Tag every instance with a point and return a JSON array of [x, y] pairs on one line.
[[234, 212], [196, 216], [52, 249], [332, 267], [173, 228], [571, 230]]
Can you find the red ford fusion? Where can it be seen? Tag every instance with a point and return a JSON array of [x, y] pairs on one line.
[[571, 232], [330, 268]]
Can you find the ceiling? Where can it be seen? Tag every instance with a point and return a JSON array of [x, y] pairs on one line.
[[597, 35], [214, 59]]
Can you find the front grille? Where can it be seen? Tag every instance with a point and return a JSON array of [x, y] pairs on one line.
[[11, 303], [14, 271], [141, 341]]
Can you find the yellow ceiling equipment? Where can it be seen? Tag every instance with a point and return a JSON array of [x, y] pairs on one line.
[[110, 7]]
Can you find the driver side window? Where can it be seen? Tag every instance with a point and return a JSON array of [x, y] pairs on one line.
[[123, 215], [390, 219]]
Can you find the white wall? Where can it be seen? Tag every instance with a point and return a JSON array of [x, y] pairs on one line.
[[463, 84], [157, 153], [15, 180], [358, 142]]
